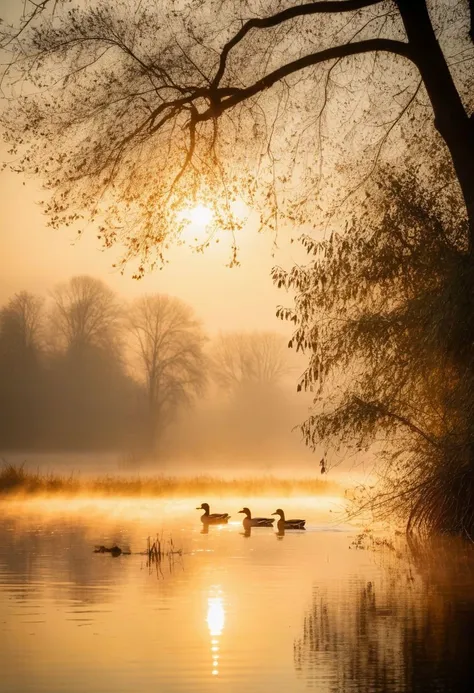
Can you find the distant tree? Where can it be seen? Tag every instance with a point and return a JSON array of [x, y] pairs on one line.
[[90, 391], [250, 368], [386, 313], [167, 343], [21, 326], [85, 313], [242, 359], [21, 323]]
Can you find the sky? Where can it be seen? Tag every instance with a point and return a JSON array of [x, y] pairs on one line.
[[34, 257]]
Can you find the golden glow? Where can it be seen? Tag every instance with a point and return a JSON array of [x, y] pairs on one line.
[[197, 221], [215, 615], [215, 622], [200, 215]]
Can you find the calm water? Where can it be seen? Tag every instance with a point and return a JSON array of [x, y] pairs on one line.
[[238, 614]]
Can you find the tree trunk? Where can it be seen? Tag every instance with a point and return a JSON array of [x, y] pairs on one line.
[[451, 119]]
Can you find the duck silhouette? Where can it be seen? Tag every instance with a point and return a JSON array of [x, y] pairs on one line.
[[250, 521], [283, 524], [214, 518]]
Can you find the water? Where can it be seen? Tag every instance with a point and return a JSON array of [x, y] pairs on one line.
[[238, 614]]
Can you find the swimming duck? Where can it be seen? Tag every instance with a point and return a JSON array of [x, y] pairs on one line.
[[288, 524], [114, 550], [250, 521], [215, 518]]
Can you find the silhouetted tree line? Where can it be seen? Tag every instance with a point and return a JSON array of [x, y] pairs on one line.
[[84, 370], [64, 383]]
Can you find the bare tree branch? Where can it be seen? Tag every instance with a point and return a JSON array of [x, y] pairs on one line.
[[342, 51], [281, 17]]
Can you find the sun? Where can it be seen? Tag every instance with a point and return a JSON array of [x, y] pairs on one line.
[[196, 221], [200, 216]]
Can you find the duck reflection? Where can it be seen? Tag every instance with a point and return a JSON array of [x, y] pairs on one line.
[[280, 533], [215, 622]]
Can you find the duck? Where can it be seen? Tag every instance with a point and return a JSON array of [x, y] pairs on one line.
[[215, 518], [250, 521], [114, 550], [288, 524]]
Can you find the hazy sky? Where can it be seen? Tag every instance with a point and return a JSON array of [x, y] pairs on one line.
[[34, 257]]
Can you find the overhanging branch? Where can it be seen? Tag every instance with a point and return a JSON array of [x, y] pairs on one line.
[[382, 409], [331, 7], [343, 51]]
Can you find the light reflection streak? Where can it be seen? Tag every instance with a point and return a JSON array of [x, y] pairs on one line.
[[215, 622]]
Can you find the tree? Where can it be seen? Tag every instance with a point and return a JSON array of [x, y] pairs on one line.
[[168, 345], [255, 417], [386, 312], [89, 388], [135, 110], [85, 313], [21, 323], [241, 359], [20, 369]]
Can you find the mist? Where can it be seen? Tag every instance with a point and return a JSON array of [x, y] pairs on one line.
[[97, 384]]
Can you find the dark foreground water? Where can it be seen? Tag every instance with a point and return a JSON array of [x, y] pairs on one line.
[[238, 614]]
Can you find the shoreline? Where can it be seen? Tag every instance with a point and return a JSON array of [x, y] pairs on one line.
[[17, 482]]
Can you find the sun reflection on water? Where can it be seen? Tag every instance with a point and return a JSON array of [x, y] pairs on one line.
[[215, 622]]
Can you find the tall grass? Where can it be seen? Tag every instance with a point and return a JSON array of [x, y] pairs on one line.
[[16, 480]]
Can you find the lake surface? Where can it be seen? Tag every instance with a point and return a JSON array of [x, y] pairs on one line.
[[234, 613]]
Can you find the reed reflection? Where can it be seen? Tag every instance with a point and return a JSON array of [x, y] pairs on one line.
[[386, 639], [215, 622]]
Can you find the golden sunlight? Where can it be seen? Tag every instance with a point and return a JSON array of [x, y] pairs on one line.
[[215, 615], [196, 221], [215, 622], [200, 215]]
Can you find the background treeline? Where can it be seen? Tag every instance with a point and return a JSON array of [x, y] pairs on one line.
[[83, 369]]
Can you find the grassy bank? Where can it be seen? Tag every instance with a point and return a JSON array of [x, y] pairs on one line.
[[15, 480]]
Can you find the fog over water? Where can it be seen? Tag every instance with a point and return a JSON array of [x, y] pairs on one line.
[[231, 612]]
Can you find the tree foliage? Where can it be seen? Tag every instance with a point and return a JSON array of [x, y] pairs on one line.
[[132, 111], [386, 312]]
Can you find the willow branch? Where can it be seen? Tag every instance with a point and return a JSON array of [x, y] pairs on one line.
[[382, 409]]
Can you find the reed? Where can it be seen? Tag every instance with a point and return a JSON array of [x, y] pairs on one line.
[[16, 480]]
